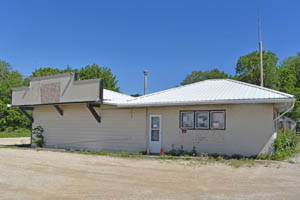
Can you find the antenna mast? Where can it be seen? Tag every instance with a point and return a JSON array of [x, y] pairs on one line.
[[260, 51]]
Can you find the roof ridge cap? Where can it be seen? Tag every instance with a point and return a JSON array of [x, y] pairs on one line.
[[261, 87]]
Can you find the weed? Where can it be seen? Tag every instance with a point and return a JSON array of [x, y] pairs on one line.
[[220, 158], [38, 138], [285, 145], [124, 154], [291, 162]]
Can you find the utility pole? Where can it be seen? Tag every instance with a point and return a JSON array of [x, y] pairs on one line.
[[260, 51]]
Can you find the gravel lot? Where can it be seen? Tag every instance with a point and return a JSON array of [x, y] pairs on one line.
[[15, 141], [31, 174]]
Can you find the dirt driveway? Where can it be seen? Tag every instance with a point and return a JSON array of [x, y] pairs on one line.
[[30, 174]]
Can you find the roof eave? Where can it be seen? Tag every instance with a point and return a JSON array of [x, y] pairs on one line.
[[51, 104], [190, 103]]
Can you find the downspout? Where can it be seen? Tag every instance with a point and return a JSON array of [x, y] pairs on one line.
[[146, 131], [288, 110], [266, 148]]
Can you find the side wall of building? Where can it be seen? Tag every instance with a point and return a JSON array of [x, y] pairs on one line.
[[119, 130], [248, 129]]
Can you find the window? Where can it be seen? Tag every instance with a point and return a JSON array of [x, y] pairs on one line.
[[202, 119], [217, 120], [187, 119]]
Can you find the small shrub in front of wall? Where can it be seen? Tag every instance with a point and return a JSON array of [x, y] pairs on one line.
[[181, 152], [38, 138], [284, 144]]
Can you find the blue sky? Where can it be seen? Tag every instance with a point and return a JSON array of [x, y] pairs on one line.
[[168, 38]]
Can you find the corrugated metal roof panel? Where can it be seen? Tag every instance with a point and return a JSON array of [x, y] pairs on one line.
[[112, 96], [213, 91]]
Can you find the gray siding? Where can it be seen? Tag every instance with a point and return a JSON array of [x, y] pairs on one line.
[[248, 129], [60, 88], [120, 129]]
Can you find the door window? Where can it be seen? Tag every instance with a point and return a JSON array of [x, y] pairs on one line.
[[155, 135], [155, 123], [155, 128]]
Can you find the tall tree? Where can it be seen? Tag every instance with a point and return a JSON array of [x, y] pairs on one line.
[[289, 81], [94, 71], [293, 63], [197, 76], [248, 69], [10, 118], [8, 79], [48, 71]]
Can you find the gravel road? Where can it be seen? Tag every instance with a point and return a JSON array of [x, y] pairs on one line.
[[31, 174]]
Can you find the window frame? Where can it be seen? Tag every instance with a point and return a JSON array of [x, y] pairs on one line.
[[211, 117], [156, 129], [180, 119], [209, 120], [195, 119]]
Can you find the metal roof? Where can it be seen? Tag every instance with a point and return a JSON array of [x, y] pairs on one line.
[[213, 91], [110, 96]]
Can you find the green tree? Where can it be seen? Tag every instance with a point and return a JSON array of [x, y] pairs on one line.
[[293, 62], [4, 67], [248, 69], [289, 81], [136, 95], [94, 71], [47, 71], [197, 76], [8, 79], [10, 118]]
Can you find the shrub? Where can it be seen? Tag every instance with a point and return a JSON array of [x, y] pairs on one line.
[[220, 158], [285, 144], [38, 136]]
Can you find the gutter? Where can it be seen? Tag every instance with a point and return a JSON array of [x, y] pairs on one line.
[[187, 103]]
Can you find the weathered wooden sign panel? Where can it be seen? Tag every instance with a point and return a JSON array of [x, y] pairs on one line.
[[58, 89]]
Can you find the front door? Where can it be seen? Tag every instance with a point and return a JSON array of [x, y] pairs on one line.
[[155, 133]]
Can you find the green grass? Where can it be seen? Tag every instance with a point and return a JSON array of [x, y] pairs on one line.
[[181, 160], [192, 161], [16, 133], [298, 145]]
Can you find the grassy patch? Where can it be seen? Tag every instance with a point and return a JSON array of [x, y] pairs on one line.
[[286, 145], [297, 150], [16, 133], [186, 159], [192, 161]]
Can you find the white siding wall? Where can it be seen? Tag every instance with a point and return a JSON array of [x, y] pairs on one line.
[[248, 129], [120, 129]]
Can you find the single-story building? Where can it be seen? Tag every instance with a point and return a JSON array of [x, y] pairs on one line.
[[213, 116]]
